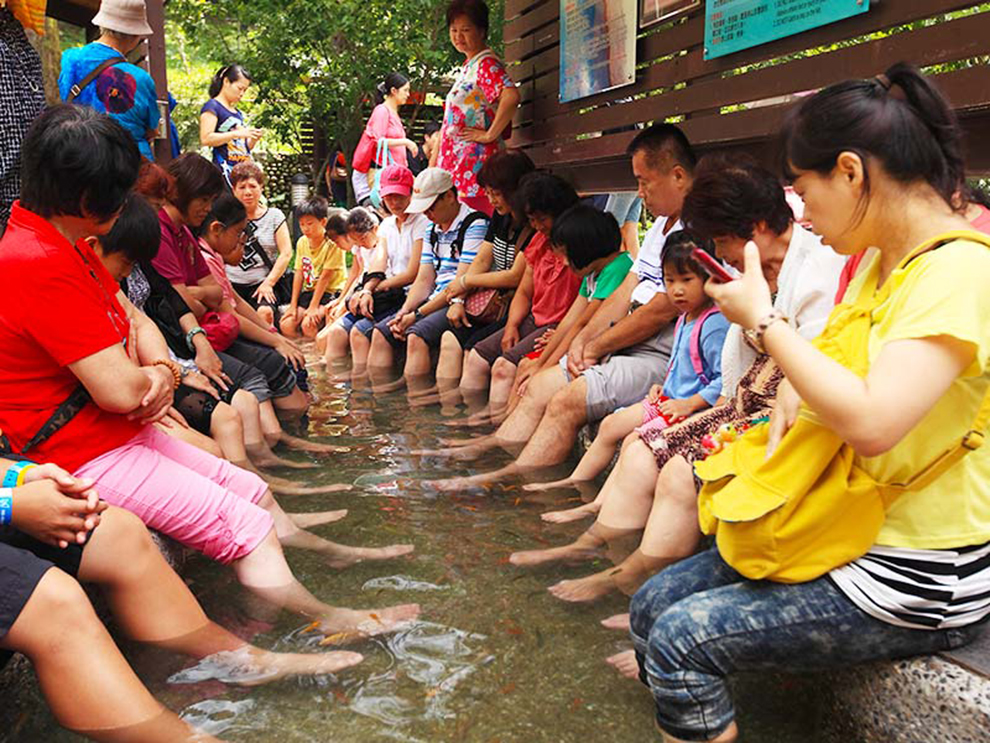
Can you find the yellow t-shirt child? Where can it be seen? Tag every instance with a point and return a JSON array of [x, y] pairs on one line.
[[311, 266]]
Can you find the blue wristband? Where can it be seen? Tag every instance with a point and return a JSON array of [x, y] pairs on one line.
[[6, 505], [10, 479]]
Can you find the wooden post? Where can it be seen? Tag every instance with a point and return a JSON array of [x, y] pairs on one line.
[[156, 61]]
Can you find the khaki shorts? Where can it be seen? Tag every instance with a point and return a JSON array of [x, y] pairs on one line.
[[626, 377]]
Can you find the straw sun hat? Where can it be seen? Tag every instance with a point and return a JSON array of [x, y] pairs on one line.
[[123, 16]]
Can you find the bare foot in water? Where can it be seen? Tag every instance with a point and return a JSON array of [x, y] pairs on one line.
[[266, 461], [288, 487], [625, 663], [470, 441], [344, 556], [566, 516], [589, 588], [249, 666], [460, 453], [308, 520], [342, 626], [617, 621], [481, 479], [313, 447], [538, 487], [569, 552]]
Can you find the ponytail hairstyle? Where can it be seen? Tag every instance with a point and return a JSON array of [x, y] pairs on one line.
[[898, 119], [231, 73], [384, 88]]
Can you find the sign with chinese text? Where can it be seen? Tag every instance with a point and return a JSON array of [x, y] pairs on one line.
[[733, 25], [597, 46]]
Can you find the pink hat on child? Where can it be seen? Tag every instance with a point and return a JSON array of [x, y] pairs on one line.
[[396, 179]]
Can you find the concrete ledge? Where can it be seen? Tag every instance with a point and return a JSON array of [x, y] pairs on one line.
[[925, 699]]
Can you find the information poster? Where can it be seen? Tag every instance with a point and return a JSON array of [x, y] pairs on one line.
[[654, 11], [732, 25], [597, 46]]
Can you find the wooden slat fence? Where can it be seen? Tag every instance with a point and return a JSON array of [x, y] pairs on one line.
[[736, 101]]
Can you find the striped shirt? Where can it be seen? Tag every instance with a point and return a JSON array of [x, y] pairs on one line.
[[502, 234], [920, 589], [473, 238]]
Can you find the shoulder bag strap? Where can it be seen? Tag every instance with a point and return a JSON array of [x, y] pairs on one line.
[[76, 89], [975, 437], [64, 413], [455, 247]]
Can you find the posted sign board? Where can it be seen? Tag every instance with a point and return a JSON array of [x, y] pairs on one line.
[[597, 46], [733, 25]]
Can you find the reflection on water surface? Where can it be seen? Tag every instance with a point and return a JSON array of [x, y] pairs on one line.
[[494, 657]]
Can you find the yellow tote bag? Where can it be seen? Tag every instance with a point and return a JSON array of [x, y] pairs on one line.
[[809, 508]]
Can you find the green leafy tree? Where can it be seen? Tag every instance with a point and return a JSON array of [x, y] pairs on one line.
[[320, 60]]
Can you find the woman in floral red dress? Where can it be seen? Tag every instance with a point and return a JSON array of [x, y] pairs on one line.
[[480, 105]]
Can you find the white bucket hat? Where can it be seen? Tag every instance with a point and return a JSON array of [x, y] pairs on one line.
[[124, 16]]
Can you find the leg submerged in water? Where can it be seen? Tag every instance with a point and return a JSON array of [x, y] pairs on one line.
[[152, 604]]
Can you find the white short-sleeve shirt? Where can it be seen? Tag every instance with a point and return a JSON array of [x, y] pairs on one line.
[[806, 287], [649, 263], [399, 240]]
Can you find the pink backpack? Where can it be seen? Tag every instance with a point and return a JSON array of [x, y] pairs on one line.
[[694, 347]]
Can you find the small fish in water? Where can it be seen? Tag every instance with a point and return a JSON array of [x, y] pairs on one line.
[[375, 617], [576, 704], [335, 638], [340, 696], [508, 688], [311, 627]]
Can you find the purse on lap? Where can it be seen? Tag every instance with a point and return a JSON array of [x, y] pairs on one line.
[[486, 306]]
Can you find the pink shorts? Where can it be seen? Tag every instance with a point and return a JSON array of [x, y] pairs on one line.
[[203, 502], [653, 419]]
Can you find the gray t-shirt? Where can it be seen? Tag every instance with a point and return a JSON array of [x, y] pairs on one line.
[[260, 250]]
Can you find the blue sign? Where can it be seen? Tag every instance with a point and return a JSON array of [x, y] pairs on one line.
[[733, 25]]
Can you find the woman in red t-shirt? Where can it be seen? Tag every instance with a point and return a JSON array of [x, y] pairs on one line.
[[66, 329]]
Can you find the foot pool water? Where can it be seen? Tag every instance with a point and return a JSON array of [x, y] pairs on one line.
[[494, 657]]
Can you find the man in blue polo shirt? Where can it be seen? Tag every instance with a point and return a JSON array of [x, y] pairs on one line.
[[450, 243]]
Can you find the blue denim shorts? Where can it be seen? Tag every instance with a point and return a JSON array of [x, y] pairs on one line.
[[364, 325], [698, 621]]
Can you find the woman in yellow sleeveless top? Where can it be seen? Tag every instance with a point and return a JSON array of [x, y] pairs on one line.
[[878, 163]]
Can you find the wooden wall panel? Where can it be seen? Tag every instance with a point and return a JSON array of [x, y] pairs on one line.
[[737, 100]]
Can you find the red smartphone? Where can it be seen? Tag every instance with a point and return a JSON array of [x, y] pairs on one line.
[[711, 266]]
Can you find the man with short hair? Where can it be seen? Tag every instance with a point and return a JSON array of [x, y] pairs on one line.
[[450, 243], [625, 347]]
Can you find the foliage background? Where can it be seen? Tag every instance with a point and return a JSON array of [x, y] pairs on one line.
[[312, 61]]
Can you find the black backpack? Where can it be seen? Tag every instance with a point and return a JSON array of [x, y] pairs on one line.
[[455, 247]]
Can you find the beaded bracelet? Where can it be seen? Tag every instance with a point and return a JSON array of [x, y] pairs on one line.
[[6, 505], [174, 369], [14, 477]]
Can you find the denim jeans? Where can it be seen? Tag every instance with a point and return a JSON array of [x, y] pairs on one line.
[[699, 620]]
